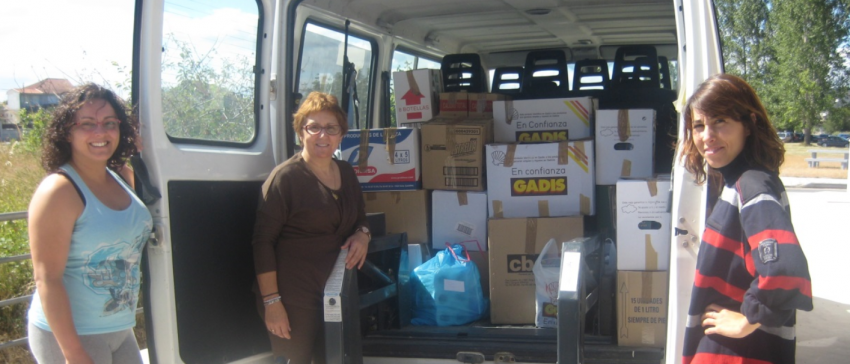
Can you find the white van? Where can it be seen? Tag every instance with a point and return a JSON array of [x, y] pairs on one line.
[[216, 84]]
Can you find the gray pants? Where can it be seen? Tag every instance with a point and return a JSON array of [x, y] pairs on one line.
[[114, 347]]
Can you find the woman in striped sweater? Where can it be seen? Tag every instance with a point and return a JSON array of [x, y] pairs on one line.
[[751, 274]]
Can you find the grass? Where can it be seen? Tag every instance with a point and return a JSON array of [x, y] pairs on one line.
[[796, 166]]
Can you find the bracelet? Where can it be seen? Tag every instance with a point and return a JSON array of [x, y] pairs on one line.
[[271, 301], [270, 294]]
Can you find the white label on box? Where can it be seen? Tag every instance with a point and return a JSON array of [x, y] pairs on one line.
[[333, 309], [466, 228], [452, 285], [570, 266]]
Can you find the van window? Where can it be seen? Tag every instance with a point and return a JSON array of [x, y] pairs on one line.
[[321, 64], [207, 79], [404, 61]]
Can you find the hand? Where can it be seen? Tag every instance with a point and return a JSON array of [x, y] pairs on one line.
[[358, 246], [721, 321], [277, 321]]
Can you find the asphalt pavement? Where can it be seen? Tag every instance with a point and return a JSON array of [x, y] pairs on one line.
[[819, 211]]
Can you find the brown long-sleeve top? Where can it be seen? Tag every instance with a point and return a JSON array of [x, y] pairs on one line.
[[300, 228]]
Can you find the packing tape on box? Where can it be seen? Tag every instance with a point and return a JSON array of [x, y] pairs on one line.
[[624, 128], [651, 259], [451, 134], [543, 208], [646, 285], [509, 111], [626, 168], [481, 104], [530, 235], [462, 198], [509, 155], [652, 185], [498, 211], [563, 153], [370, 196], [363, 152], [411, 81], [584, 204], [389, 141]]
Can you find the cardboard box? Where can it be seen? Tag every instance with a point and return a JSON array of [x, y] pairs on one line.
[[514, 246], [539, 180], [384, 159], [453, 153], [642, 308], [416, 95], [405, 212], [625, 140], [475, 105], [543, 120], [454, 104], [460, 217], [643, 224]]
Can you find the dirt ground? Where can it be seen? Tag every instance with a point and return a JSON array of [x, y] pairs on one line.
[[796, 166]]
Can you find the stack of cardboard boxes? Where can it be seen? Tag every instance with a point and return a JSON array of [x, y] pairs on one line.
[[504, 176]]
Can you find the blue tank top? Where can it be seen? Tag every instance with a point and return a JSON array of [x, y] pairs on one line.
[[102, 275]]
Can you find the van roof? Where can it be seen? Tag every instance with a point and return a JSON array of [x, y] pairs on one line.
[[497, 28]]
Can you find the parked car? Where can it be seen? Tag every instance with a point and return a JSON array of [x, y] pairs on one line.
[[817, 138], [785, 136], [844, 136], [833, 141]]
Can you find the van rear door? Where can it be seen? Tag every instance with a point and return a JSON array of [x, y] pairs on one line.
[[700, 57], [203, 84]]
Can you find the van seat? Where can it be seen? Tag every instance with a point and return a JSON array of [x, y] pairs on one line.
[[636, 67], [504, 77], [463, 72], [590, 74], [554, 82]]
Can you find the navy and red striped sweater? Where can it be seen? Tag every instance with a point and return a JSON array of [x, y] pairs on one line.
[[751, 262]]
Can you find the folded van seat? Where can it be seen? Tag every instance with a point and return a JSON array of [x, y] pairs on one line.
[[507, 80], [463, 72], [545, 74]]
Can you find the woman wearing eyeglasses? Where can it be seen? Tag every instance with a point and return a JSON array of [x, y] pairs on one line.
[[86, 230], [311, 207]]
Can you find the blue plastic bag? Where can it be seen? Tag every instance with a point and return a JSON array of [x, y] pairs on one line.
[[447, 290]]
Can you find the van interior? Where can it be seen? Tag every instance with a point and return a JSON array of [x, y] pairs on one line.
[[624, 53]]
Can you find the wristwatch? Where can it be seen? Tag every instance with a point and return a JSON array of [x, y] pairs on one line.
[[365, 230]]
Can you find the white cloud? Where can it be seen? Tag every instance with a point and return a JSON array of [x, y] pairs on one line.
[[76, 40]]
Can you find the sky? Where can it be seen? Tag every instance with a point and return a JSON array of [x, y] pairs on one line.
[[92, 40], [71, 39]]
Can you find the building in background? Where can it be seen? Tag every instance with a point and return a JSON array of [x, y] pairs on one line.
[[42, 94]]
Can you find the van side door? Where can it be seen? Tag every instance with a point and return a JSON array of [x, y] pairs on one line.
[[202, 79]]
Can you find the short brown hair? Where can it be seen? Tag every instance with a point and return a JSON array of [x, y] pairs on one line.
[[315, 102], [730, 96], [56, 150]]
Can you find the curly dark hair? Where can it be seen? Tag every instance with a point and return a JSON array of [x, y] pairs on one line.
[[56, 150], [732, 97]]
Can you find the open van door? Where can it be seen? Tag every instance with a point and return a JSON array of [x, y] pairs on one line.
[[699, 49], [202, 87]]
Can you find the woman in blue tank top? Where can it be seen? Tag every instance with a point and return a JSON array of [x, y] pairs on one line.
[[87, 229]]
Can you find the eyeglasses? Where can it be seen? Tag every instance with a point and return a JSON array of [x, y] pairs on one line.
[[315, 129], [88, 125]]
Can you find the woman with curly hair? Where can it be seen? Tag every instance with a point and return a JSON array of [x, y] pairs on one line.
[[86, 229], [751, 275]]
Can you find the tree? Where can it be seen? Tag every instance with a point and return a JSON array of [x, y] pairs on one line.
[[744, 32], [809, 69], [213, 98]]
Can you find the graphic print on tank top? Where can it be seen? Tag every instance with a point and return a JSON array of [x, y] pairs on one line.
[[113, 270]]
